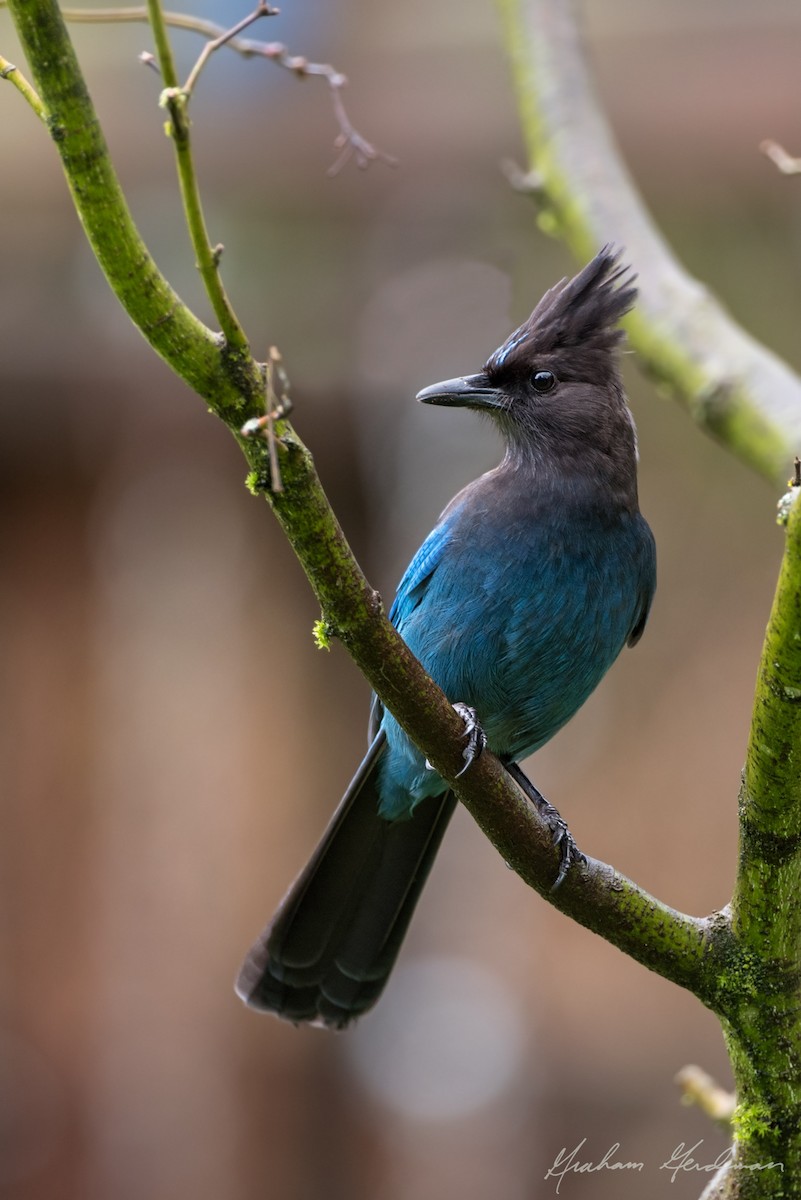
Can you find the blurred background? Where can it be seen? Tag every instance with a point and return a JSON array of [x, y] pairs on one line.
[[171, 743]]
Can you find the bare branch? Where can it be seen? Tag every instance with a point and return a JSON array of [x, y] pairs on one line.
[[349, 141], [263, 10]]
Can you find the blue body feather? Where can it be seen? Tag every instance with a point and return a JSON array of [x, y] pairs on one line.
[[517, 604]]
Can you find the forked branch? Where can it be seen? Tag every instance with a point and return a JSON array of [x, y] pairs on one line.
[[349, 141]]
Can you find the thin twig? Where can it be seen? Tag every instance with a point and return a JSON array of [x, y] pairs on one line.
[[175, 101], [349, 141], [154, 15], [275, 408], [24, 87], [263, 10]]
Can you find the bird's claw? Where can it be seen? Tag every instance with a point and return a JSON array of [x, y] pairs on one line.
[[563, 839], [475, 736], [473, 732], [560, 834]]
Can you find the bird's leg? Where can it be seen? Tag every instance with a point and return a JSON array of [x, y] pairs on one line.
[[562, 836], [474, 734]]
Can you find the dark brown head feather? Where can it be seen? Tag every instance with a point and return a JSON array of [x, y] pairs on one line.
[[578, 313]]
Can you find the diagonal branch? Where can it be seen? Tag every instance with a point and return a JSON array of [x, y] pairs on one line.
[[733, 387]]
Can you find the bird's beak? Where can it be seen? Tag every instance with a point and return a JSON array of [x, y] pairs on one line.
[[468, 391]]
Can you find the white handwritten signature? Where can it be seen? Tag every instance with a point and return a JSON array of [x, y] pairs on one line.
[[682, 1160], [568, 1162]]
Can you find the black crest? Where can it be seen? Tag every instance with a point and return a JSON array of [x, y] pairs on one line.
[[581, 312]]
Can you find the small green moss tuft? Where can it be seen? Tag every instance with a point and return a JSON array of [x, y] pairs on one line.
[[322, 633], [750, 1121], [252, 482]]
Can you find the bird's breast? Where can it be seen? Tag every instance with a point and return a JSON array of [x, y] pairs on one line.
[[523, 626]]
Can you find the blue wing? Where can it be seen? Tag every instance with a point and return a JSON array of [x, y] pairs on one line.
[[411, 588]]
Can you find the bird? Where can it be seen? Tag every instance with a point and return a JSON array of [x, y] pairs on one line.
[[534, 578]]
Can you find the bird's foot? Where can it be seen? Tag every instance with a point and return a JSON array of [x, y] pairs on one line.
[[563, 839], [560, 833], [474, 734]]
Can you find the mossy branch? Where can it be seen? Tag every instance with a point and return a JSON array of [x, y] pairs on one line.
[[762, 1022], [733, 387], [769, 877]]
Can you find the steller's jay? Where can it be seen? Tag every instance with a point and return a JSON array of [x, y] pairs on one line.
[[517, 603]]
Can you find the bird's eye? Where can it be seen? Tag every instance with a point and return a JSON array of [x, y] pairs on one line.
[[543, 381]]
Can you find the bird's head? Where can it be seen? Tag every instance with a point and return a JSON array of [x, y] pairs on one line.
[[554, 386]]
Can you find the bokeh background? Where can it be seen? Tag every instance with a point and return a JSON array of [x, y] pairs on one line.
[[171, 743]]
